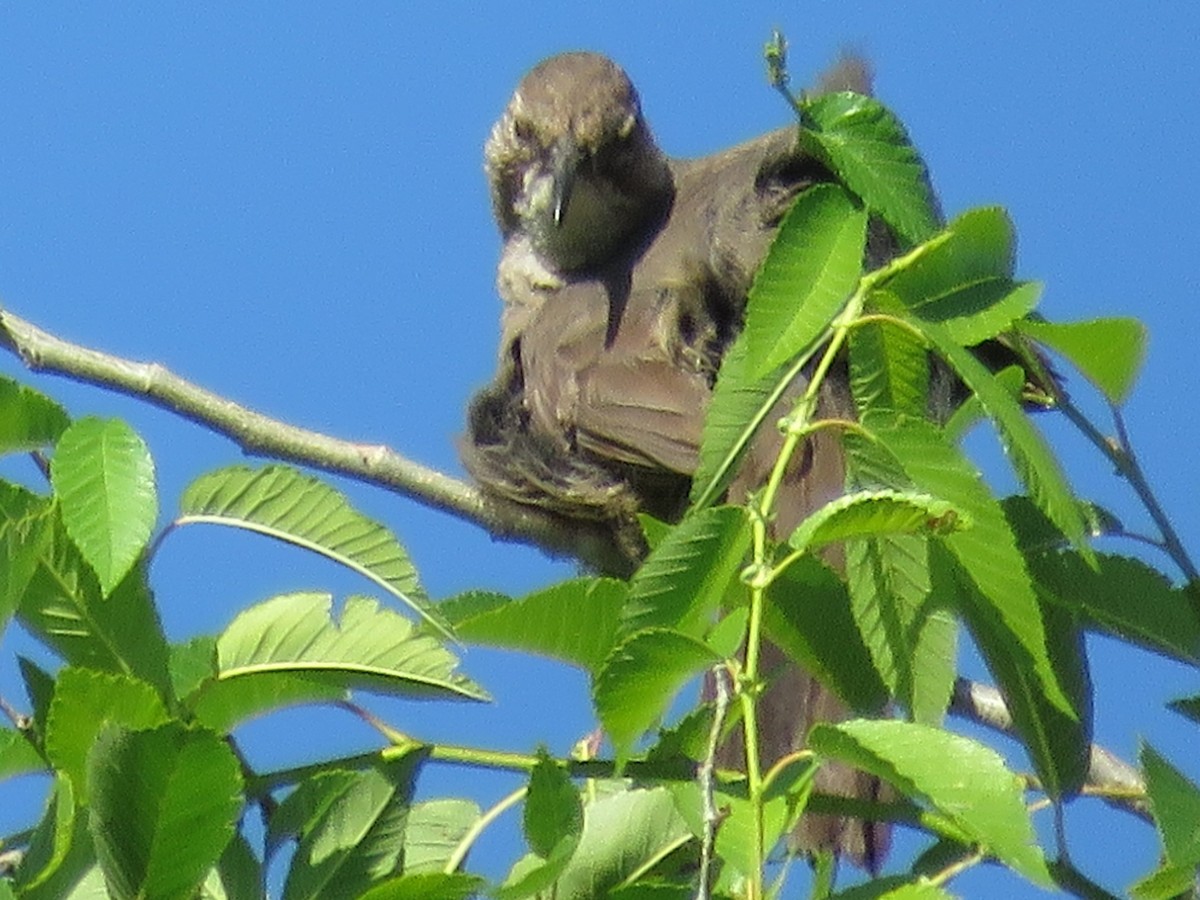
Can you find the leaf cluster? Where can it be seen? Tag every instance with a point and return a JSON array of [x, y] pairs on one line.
[[149, 791]]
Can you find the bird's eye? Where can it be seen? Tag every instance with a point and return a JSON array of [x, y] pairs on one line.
[[523, 130]]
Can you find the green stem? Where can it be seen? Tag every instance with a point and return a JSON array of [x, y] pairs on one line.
[[762, 573], [480, 825]]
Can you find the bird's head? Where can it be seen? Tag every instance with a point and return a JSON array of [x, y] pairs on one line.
[[572, 164]]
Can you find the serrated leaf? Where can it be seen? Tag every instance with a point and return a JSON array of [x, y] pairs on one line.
[[960, 778], [870, 151], [290, 649], [975, 247], [84, 701], [238, 875], [987, 550], [434, 830], [740, 404], [988, 582], [1109, 352], [1166, 883], [28, 419], [808, 617], [103, 477], [638, 680], [1057, 736], [889, 368], [682, 582], [873, 513], [18, 756], [427, 886], [351, 828], [972, 313], [63, 608], [624, 835], [1031, 457], [1124, 597], [552, 813], [912, 642], [50, 844], [285, 504], [575, 622], [164, 806], [813, 265], [26, 526], [1175, 801]]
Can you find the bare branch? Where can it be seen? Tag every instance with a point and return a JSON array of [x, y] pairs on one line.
[[375, 464], [1109, 777], [260, 435]]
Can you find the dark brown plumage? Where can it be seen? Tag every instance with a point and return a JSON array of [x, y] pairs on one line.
[[624, 276]]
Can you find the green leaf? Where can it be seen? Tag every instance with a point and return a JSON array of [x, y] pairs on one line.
[[1166, 883], [740, 404], [1109, 352], [575, 621], [813, 265], [18, 755], [1056, 736], [987, 551], [1188, 707], [1176, 804], [26, 523], [435, 829], [637, 682], [808, 617], [351, 828], [868, 148], [51, 843], [1032, 459], [238, 876], [682, 582], [1121, 596], [103, 477], [976, 247], [913, 642], [64, 608], [164, 806], [963, 780], [553, 813], [874, 513], [84, 701], [427, 886], [290, 649], [974, 311], [624, 836], [298, 509], [889, 368], [28, 420], [39, 688]]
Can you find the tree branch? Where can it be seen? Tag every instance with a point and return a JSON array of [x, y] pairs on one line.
[[1112, 779], [1119, 783], [260, 435]]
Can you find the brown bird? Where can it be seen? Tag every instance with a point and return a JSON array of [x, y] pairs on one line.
[[624, 275]]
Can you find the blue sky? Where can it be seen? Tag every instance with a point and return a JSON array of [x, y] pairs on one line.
[[285, 203]]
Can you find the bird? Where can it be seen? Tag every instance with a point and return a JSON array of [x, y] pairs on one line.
[[624, 275]]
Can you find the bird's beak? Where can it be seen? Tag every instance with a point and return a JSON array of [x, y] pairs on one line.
[[564, 160]]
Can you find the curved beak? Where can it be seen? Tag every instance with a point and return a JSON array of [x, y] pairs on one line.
[[564, 160]]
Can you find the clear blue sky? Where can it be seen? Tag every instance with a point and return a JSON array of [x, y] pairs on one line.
[[285, 203]]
